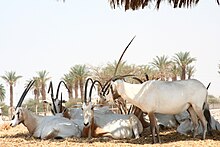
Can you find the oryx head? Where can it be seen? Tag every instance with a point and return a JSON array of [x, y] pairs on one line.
[[87, 107], [18, 117], [56, 105], [88, 113]]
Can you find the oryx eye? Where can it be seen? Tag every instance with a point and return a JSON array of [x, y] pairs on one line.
[[18, 114]]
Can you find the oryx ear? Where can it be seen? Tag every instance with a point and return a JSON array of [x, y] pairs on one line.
[[46, 102], [64, 101]]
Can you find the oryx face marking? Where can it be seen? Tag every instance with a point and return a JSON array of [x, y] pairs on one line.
[[88, 113], [17, 118]]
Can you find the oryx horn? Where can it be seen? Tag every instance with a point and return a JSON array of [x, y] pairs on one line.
[[93, 84], [52, 96], [85, 91], [61, 99], [122, 56], [24, 93], [58, 88]]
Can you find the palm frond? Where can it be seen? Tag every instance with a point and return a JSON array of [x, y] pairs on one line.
[[136, 4]]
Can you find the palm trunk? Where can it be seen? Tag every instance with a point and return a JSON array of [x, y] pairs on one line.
[[70, 92], [11, 100], [81, 88], [183, 76], [11, 95], [76, 89], [43, 93]]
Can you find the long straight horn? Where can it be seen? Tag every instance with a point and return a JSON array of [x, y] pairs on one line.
[[93, 84], [61, 99], [122, 56], [208, 86], [52, 96], [85, 91], [24, 93]]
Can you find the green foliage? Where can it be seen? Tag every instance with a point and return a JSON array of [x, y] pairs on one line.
[[31, 105], [213, 100], [2, 93], [4, 108], [73, 102]]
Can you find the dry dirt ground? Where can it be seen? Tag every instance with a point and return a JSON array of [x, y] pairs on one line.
[[18, 136]]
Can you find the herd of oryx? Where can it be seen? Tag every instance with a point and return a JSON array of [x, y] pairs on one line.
[[151, 97]]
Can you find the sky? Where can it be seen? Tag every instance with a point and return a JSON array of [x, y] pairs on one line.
[[50, 35]]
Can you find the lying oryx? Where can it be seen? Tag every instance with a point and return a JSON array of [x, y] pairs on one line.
[[166, 97], [109, 124], [44, 127]]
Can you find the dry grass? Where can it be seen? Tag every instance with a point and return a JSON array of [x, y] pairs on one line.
[[19, 136]]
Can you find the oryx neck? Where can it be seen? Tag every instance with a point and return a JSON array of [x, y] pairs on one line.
[[132, 92], [30, 121]]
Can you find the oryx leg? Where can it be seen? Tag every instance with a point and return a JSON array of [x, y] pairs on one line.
[[194, 120], [201, 116], [134, 124], [153, 125], [50, 135]]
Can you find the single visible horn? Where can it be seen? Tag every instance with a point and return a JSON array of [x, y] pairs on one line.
[[108, 84], [93, 84], [52, 96], [208, 86], [24, 93], [61, 98], [85, 91], [122, 56], [137, 79]]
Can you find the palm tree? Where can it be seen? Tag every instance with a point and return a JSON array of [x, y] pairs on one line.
[[175, 71], [162, 64], [136, 4], [11, 79], [69, 80], [43, 78], [2, 93], [183, 59], [80, 73], [190, 70]]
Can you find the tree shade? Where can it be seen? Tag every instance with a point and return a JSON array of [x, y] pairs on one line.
[[136, 4]]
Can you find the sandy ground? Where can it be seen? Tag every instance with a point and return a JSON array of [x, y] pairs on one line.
[[18, 136]]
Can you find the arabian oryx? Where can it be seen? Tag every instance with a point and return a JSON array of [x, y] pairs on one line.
[[166, 97], [74, 114], [44, 127], [109, 124], [56, 105]]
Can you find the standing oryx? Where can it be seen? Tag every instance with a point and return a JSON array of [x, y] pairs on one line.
[[166, 97], [44, 127]]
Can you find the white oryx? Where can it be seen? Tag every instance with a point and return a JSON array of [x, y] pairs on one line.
[[113, 125], [108, 124], [44, 127], [166, 97], [74, 114]]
